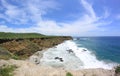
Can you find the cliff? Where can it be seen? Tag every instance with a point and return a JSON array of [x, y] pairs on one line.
[[21, 48]]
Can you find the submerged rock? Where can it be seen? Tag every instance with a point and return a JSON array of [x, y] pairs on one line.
[[84, 50], [61, 59]]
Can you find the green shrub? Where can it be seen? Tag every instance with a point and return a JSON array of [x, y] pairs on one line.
[[7, 71], [117, 70], [15, 57], [68, 74]]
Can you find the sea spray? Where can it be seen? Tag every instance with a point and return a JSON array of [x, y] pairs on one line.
[[88, 58], [80, 58]]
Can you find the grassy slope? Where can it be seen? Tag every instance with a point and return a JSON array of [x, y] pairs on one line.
[[4, 52], [4, 35], [22, 45]]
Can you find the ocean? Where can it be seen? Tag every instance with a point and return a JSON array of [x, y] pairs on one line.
[[105, 48], [84, 53]]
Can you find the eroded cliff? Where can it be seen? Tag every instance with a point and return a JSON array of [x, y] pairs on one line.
[[23, 48]]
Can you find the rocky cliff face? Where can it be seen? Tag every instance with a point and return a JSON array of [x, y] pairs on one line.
[[26, 47]]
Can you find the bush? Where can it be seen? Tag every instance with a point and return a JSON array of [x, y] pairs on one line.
[[7, 71], [117, 70], [15, 57], [68, 74]]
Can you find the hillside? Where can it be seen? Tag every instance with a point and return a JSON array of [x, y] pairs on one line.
[[23, 45], [9, 35]]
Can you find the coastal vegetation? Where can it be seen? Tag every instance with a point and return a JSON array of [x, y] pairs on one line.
[[9, 35], [68, 74], [7, 70], [117, 71]]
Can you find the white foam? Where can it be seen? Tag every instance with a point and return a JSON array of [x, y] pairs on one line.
[[79, 59]]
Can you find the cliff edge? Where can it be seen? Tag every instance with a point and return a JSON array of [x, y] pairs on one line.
[[21, 46]]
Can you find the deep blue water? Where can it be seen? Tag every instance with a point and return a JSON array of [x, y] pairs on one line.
[[105, 48]]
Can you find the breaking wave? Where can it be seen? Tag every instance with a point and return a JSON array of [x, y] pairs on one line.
[[69, 56]]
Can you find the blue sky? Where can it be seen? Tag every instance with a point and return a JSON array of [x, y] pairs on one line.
[[61, 17]]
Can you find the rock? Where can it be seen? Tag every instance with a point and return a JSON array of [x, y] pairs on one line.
[[84, 50], [56, 57], [34, 59], [61, 59], [70, 51]]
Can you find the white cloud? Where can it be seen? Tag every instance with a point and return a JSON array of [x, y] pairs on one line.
[[88, 8], [29, 10], [88, 22], [4, 28]]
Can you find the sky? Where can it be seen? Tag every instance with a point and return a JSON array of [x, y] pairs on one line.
[[61, 17]]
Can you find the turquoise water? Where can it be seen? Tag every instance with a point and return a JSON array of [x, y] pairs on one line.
[[105, 48]]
